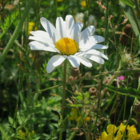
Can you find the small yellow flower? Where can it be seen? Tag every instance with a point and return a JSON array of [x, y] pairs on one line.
[[138, 136], [131, 128], [99, 138], [122, 127], [78, 119], [103, 135], [20, 131], [73, 114], [33, 132], [132, 133], [71, 118], [111, 129], [30, 27], [87, 119], [83, 3], [119, 136], [109, 137]]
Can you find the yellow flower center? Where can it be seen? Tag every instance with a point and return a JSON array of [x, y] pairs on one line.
[[66, 46]]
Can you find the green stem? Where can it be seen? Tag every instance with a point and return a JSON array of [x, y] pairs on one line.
[[55, 8], [78, 125], [106, 22], [124, 107], [64, 91], [15, 34], [120, 112], [135, 18], [64, 94], [137, 8], [131, 110], [106, 73]]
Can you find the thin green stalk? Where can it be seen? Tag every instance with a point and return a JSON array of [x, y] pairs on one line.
[[137, 8], [113, 105], [124, 107], [131, 110], [64, 95], [135, 18], [64, 86], [15, 34], [120, 113], [84, 115], [37, 93], [55, 1], [106, 22], [117, 72]]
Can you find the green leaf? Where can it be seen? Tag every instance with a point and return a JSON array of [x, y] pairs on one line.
[[132, 18], [129, 3], [123, 91], [7, 23], [12, 122]]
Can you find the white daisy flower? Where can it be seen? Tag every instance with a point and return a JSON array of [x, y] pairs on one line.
[[69, 42]]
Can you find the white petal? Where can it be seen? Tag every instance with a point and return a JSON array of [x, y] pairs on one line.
[[41, 36], [49, 28], [84, 61], [76, 31], [54, 62], [60, 27], [35, 45], [98, 38], [39, 32], [95, 58], [69, 24], [89, 45], [86, 33], [79, 53], [95, 52], [42, 39], [92, 39], [86, 46], [98, 46], [74, 61]]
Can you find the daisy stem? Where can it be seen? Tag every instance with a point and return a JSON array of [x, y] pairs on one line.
[[64, 94], [64, 91]]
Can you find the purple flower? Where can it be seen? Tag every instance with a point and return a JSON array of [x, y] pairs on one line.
[[120, 78]]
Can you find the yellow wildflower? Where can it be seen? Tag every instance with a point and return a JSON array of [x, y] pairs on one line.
[[87, 119], [132, 133], [73, 114], [78, 119], [122, 127], [111, 129], [103, 135], [30, 27], [75, 117], [109, 137], [83, 3], [119, 136]]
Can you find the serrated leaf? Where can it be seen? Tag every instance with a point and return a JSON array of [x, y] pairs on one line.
[[7, 23], [125, 91]]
